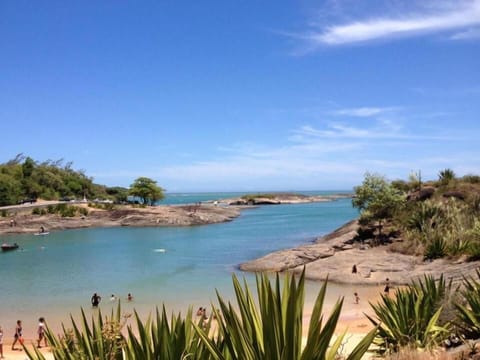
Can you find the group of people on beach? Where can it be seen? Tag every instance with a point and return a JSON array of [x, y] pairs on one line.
[[18, 335], [386, 289], [95, 300]]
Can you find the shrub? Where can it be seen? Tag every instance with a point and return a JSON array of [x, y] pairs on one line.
[[424, 216], [436, 248], [472, 179], [83, 211], [411, 317], [4, 213], [273, 329], [59, 208], [68, 211], [165, 338], [446, 176], [102, 340], [468, 315], [38, 211], [473, 251]]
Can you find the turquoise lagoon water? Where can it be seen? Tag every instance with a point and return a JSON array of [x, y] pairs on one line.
[[55, 275]]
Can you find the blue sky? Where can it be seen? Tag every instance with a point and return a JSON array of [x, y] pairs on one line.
[[242, 95]]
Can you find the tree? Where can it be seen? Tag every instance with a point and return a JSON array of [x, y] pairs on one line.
[[119, 193], [377, 199], [10, 190], [147, 190], [27, 167]]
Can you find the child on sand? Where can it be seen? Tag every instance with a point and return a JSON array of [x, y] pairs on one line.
[[357, 298], [386, 290]]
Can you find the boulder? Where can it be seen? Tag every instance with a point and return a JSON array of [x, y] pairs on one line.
[[455, 194], [422, 194]]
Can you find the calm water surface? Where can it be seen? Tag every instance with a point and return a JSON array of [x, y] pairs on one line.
[[55, 275]]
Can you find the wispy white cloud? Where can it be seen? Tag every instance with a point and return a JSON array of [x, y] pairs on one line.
[[469, 34], [381, 129], [319, 155], [459, 15], [363, 111]]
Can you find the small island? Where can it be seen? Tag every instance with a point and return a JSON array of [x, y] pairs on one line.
[[278, 198]]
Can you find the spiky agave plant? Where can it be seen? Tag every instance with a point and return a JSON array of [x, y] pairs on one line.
[[468, 314], [166, 339], [411, 317], [274, 329], [100, 340]]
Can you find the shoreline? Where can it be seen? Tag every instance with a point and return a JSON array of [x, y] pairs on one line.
[[205, 213], [156, 216], [352, 319], [332, 256]]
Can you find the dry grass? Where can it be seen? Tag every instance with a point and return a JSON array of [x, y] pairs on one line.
[[415, 354]]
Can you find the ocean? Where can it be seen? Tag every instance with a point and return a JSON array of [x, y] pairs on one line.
[[55, 275]]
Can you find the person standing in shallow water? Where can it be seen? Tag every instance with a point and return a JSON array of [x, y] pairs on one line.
[[96, 300]]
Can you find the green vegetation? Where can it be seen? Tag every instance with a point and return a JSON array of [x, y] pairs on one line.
[[102, 340], [102, 206], [377, 199], [63, 210], [248, 197], [411, 317], [435, 219], [271, 330], [23, 179], [468, 312], [147, 190], [427, 314]]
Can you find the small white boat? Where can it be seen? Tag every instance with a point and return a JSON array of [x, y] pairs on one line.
[[42, 233]]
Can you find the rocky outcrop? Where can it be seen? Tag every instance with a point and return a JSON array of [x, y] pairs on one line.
[[288, 259], [423, 194], [334, 255], [122, 216], [281, 198], [455, 194], [324, 247]]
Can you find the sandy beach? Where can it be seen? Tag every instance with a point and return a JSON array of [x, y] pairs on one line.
[[352, 319]]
